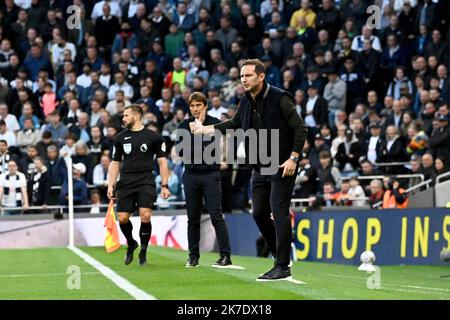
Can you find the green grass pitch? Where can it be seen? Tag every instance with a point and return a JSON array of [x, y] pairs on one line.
[[41, 274]]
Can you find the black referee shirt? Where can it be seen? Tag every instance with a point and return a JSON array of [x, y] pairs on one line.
[[136, 150]]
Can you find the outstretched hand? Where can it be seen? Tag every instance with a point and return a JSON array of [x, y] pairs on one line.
[[289, 167]]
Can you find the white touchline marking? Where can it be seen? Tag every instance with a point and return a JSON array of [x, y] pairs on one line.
[[119, 281], [427, 288]]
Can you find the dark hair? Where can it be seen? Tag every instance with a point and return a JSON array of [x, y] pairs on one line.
[[198, 96], [324, 154], [4, 141], [259, 66], [135, 108]]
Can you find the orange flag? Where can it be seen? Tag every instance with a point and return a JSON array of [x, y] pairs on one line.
[[112, 242]]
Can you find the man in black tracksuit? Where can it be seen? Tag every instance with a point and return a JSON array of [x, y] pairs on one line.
[[268, 107], [202, 180]]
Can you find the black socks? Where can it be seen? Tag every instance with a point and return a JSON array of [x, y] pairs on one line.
[[127, 230], [144, 233]]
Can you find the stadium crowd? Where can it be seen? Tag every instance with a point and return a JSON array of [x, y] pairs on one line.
[[368, 96]]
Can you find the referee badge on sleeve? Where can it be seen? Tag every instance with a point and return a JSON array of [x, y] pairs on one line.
[[127, 148], [163, 147]]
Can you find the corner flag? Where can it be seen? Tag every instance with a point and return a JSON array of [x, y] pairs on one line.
[[112, 242]]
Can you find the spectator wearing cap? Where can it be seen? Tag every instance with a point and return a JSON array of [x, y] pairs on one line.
[[348, 153], [440, 139], [80, 189], [313, 78], [161, 58], [184, 21], [318, 145], [306, 180], [373, 146], [273, 73], [355, 85], [335, 94], [314, 111]]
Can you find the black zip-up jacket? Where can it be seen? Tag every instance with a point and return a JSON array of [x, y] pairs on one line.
[[203, 166], [273, 108]]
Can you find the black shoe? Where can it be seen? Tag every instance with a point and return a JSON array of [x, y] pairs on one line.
[[275, 274], [223, 262], [143, 257], [130, 250], [192, 262]]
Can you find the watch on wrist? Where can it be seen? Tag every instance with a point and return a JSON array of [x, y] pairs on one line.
[[165, 186], [295, 159]]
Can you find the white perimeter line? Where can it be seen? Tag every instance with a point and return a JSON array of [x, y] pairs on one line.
[[122, 283]]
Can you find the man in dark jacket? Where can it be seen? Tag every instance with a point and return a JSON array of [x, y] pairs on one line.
[[202, 180], [39, 184], [440, 139], [267, 107], [314, 111]]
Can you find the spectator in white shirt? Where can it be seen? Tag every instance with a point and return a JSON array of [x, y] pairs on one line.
[[217, 108], [58, 49], [111, 107], [6, 134], [13, 189], [85, 79], [97, 11], [100, 176], [358, 41], [105, 75], [357, 192], [120, 84], [10, 119]]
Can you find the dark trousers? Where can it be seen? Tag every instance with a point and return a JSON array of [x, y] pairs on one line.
[[272, 194], [208, 185]]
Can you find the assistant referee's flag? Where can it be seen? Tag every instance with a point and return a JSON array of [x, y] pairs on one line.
[[112, 242]]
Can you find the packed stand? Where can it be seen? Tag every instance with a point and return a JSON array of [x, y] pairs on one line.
[[369, 97]]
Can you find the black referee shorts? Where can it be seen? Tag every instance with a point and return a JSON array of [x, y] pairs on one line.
[[131, 199]]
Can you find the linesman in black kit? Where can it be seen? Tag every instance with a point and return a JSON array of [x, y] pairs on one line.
[[135, 148], [202, 181], [271, 108]]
